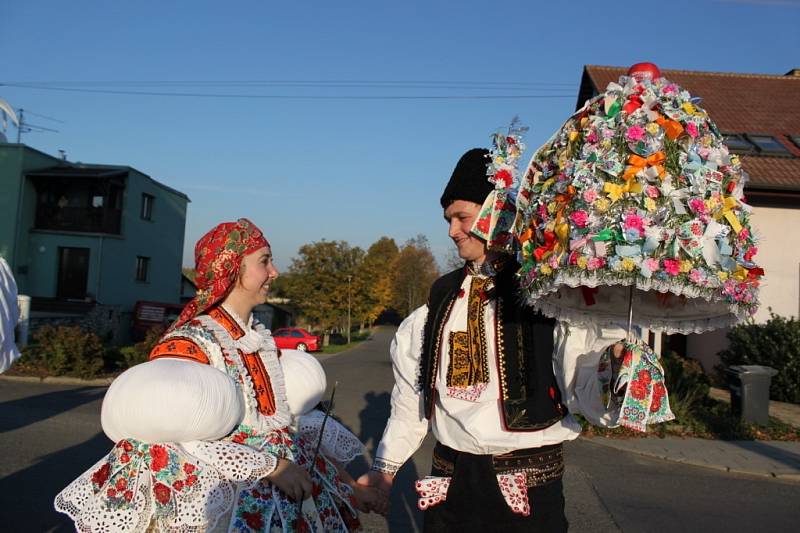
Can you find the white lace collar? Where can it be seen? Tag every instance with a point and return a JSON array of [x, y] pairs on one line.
[[252, 340]]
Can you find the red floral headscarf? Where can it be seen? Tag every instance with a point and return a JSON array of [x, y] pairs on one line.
[[218, 257]]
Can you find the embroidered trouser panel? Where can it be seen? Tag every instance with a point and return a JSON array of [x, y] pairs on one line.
[[474, 500]]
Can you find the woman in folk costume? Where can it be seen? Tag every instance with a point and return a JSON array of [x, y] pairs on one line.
[[206, 438]]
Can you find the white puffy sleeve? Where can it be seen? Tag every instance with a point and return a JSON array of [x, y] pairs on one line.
[[9, 316], [407, 425], [576, 364], [171, 400]]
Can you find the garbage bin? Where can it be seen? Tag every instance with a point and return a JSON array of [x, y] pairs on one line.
[[749, 386]]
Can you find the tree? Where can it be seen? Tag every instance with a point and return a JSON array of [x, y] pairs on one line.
[[318, 282], [414, 272], [453, 261], [373, 281]]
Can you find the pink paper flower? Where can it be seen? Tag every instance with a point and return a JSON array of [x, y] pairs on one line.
[[579, 218], [595, 263], [651, 264], [698, 206], [672, 266], [691, 129], [591, 137], [635, 133], [696, 276], [634, 222], [652, 191], [589, 196]]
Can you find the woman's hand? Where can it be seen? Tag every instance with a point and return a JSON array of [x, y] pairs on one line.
[[293, 480], [380, 482], [369, 499]]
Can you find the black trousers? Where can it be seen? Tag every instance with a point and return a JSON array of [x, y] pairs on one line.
[[475, 504]]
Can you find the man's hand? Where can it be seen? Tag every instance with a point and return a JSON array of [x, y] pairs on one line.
[[293, 480], [383, 483]]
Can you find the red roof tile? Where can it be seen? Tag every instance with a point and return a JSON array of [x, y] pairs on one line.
[[737, 103]]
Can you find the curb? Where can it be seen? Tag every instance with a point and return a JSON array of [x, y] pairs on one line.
[[793, 478], [60, 380]]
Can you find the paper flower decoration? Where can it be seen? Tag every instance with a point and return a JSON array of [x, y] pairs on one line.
[[496, 218], [638, 189]]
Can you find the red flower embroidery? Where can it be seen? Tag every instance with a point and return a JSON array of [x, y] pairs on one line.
[[124, 458], [254, 520], [644, 376], [121, 484], [483, 225], [178, 485], [111, 493], [162, 493], [100, 477], [188, 468], [159, 456], [504, 176], [127, 446], [191, 480], [300, 525], [128, 495], [638, 390]]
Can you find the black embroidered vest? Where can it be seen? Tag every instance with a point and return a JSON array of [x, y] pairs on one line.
[[529, 394]]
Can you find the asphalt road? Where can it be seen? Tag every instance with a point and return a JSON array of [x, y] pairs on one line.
[[51, 433]]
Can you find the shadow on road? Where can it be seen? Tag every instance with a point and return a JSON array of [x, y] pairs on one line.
[[769, 451], [404, 515], [28, 495], [31, 409]]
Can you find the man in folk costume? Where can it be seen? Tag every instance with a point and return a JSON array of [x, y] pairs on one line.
[[494, 380]]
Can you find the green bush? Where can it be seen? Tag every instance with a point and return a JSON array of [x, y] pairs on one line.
[[687, 386], [66, 351], [775, 343], [140, 352]]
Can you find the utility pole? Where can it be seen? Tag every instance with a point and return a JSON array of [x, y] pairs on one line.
[[20, 124], [349, 279]]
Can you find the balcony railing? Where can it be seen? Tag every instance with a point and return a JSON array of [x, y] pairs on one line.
[[79, 219]]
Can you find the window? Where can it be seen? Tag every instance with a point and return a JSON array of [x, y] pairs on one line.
[[297, 334], [147, 206], [737, 144], [280, 333], [767, 144], [142, 266]]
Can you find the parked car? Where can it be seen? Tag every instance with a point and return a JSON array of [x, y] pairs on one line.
[[296, 339]]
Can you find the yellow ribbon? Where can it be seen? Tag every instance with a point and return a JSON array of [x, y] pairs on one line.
[[740, 273], [728, 205]]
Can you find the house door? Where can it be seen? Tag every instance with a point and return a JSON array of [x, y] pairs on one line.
[[73, 273]]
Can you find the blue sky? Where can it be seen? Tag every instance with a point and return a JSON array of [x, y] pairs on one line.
[[355, 170]]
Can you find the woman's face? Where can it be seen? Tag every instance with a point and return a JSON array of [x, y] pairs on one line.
[[256, 274]]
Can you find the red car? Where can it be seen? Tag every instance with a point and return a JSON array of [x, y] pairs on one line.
[[296, 339]]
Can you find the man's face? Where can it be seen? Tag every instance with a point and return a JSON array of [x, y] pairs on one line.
[[461, 215]]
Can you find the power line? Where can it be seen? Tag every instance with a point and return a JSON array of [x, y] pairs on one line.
[[291, 96], [303, 83]]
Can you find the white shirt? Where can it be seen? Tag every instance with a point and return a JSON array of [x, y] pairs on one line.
[[9, 316], [475, 427]]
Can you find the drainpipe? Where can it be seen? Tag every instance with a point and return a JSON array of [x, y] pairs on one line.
[[99, 271], [20, 197]]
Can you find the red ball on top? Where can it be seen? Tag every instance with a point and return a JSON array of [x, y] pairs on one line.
[[644, 71]]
